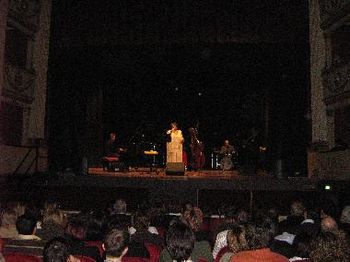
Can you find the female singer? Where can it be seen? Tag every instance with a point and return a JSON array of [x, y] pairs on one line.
[[174, 144]]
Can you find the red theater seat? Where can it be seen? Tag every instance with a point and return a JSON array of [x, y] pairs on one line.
[[85, 259], [154, 252], [22, 258], [97, 244], [221, 253], [2, 244], [135, 259]]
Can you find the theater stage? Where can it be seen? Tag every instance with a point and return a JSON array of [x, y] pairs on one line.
[[99, 187]]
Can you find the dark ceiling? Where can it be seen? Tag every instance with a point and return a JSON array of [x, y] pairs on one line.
[[130, 22]]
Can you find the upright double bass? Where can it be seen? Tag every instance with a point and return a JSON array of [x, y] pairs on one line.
[[197, 150]]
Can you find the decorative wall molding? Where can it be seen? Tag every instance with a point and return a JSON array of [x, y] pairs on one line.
[[336, 80], [19, 83], [331, 165], [333, 11], [26, 12]]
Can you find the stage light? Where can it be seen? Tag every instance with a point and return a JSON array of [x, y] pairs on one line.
[[327, 187]]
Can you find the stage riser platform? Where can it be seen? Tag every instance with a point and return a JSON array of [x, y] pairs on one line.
[[96, 191]]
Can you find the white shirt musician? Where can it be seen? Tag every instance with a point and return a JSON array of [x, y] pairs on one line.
[[174, 146]]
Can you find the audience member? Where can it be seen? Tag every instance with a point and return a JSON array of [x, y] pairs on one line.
[[258, 238], [193, 217], [330, 247], [8, 223], [328, 224], [96, 226], [181, 244], [75, 236], [292, 223], [115, 245], [57, 250], [236, 242], [26, 241], [53, 224], [143, 234], [345, 219]]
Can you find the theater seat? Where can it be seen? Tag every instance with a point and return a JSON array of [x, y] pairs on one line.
[[97, 244], [2, 244], [161, 232], [135, 259], [22, 258], [85, 259], [221, 253], [154, 252]]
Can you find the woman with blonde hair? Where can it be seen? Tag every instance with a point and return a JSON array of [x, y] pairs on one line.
[[8, 223], [53, 224]]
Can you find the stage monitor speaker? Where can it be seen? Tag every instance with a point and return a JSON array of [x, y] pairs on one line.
[[175, 169]]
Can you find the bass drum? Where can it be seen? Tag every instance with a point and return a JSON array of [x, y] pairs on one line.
[[226, 162]]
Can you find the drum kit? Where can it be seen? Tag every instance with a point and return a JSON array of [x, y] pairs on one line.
[[224, 161]]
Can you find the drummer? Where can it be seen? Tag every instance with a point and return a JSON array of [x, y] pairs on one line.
[[227, 151], [227, 148]]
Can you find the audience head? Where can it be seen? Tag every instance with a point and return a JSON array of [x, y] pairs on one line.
[[193, 218], [242, 217], [96, 226], [297, 208], [77, 226], [54, 216], [57, 250], [116, 243], [328, 224], [180, 241], [26, 225], [142, 222], [112, 136], [257, 236], [8, 217], [236, 238], [345, 215], [330, 247], [328, 208], [119, 206]]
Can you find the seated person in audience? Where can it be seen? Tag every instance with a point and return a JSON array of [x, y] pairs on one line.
[[75, 236], [142, 231], [26, 241], [258, 238], [193, 217], [328, 209], [328, 224], [96, 226], [53, 224], [301, 245], [330, 247], [57, 250], [345, 219], [135, 249], [115, 245], [8, 223], [181, 245], [311, 224], [235, 241], [291, 223]]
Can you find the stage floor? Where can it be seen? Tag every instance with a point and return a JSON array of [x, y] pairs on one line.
[[205, 187], [159, 173]]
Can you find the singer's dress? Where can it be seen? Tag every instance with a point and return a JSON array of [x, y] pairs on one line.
[[174, 147]]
